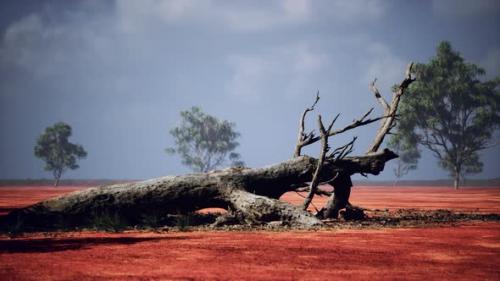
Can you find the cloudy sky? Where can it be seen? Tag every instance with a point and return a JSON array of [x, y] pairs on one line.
[[119, 72]]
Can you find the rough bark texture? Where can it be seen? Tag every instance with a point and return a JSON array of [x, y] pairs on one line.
[[456, 179], [342, 190], [253, 193]]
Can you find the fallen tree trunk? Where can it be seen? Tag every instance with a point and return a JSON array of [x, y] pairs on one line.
[[250, 195]]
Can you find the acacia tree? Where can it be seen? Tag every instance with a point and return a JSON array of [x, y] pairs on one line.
[[59, 154], [205, 142], [451, 112]]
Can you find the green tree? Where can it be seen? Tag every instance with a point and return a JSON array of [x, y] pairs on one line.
[[205, 142], [449, 111], [58, 153]]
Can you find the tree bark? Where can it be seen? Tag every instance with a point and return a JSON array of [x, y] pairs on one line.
[[57, 176], [253, 193], [456, 180], [342, 190]]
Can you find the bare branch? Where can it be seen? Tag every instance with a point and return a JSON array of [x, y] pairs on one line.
[[330, 181], [313, 186], [388, 119], [333, 122], [387, 124], [356, 123], [378, 96], [312, 204], [318, 191], [343, 151], [321, 127], [408, 79], [302, 137]]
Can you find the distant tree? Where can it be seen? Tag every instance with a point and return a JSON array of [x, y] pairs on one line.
[[58, 153], [449, 111], [408, 156], [205, 142]]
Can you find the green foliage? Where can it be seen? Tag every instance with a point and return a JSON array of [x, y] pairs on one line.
[[449, 111], [59, 154], [205, 142]]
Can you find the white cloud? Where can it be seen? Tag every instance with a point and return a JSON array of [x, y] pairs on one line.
[[465, 8], [19, 39], [292, 69], [65, 49], [48, 50]]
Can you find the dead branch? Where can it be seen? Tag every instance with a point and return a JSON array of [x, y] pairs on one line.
[[312, 204], [356, 123], [313, 186], [318, 191], [302, 137], [389, 110], [343, 151], [379, 97]]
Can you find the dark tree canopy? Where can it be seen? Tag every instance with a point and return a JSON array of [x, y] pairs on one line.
[[204, 142], [451, 112], [59, 154]]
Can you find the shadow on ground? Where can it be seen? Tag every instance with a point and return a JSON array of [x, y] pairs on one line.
[[45, 245]]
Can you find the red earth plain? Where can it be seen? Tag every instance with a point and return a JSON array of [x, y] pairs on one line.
[[465, 251]]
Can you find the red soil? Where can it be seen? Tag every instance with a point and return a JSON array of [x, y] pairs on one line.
[[466, 252], [483, 200], [21, 196]]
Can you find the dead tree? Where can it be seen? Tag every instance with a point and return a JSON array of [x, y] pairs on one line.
[[250, 195]]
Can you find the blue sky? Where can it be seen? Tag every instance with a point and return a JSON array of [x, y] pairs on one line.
[[119, 72]]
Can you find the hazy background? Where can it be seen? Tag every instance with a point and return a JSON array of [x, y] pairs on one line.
[[119, 72]]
